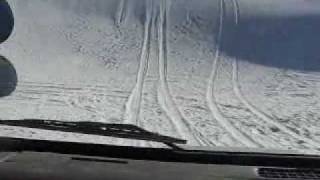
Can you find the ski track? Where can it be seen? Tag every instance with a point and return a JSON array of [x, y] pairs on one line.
[[121, 12], [164, 97], [232, 130], [251, 107]]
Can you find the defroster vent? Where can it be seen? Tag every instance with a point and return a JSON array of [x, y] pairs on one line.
[[281, 173]]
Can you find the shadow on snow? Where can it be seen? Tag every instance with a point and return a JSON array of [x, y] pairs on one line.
[[291, 42]]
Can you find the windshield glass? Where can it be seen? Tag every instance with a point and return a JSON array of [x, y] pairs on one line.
[[227, 73]]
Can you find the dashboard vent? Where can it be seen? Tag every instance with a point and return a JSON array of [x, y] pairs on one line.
[[280, 173]]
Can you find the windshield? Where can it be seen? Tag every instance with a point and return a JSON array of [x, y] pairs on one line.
[[217, 73]]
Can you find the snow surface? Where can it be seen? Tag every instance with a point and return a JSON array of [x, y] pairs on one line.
[[230, 73]]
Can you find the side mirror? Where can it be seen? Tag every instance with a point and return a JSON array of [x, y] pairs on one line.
[[8, 77], [6, 21]]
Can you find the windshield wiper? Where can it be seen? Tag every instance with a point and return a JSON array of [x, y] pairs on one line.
[[126, 131]]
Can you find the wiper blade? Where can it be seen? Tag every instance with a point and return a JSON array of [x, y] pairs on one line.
[[126, 131]]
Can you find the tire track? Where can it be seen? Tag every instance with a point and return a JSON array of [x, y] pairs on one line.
[[210, 96], [164, 96], [74, 102], [57, 90], [83, 97], [260, 114], [74, 87], [132, 107], [236, 11], [251, 107], [7, 157], [121, 12]]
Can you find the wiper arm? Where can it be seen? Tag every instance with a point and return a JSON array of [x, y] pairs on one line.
[[126, 131]]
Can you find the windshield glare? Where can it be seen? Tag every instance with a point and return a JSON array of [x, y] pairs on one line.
[[217, 73]]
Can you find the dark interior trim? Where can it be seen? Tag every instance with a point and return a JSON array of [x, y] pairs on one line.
[[162, 155]]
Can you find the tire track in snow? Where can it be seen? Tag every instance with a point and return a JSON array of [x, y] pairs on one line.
[[7, 157], [72, 87], [210, 96], [121, 12], [132, 107], [74, 102], [36, 90], [251, 107], [260, 114], [236, 11], [164, 96], [97, 101]]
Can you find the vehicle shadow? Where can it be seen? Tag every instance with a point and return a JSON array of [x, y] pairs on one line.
[[8, 77], [291, 42]]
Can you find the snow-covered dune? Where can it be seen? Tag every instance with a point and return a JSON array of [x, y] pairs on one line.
[[215, 72]]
